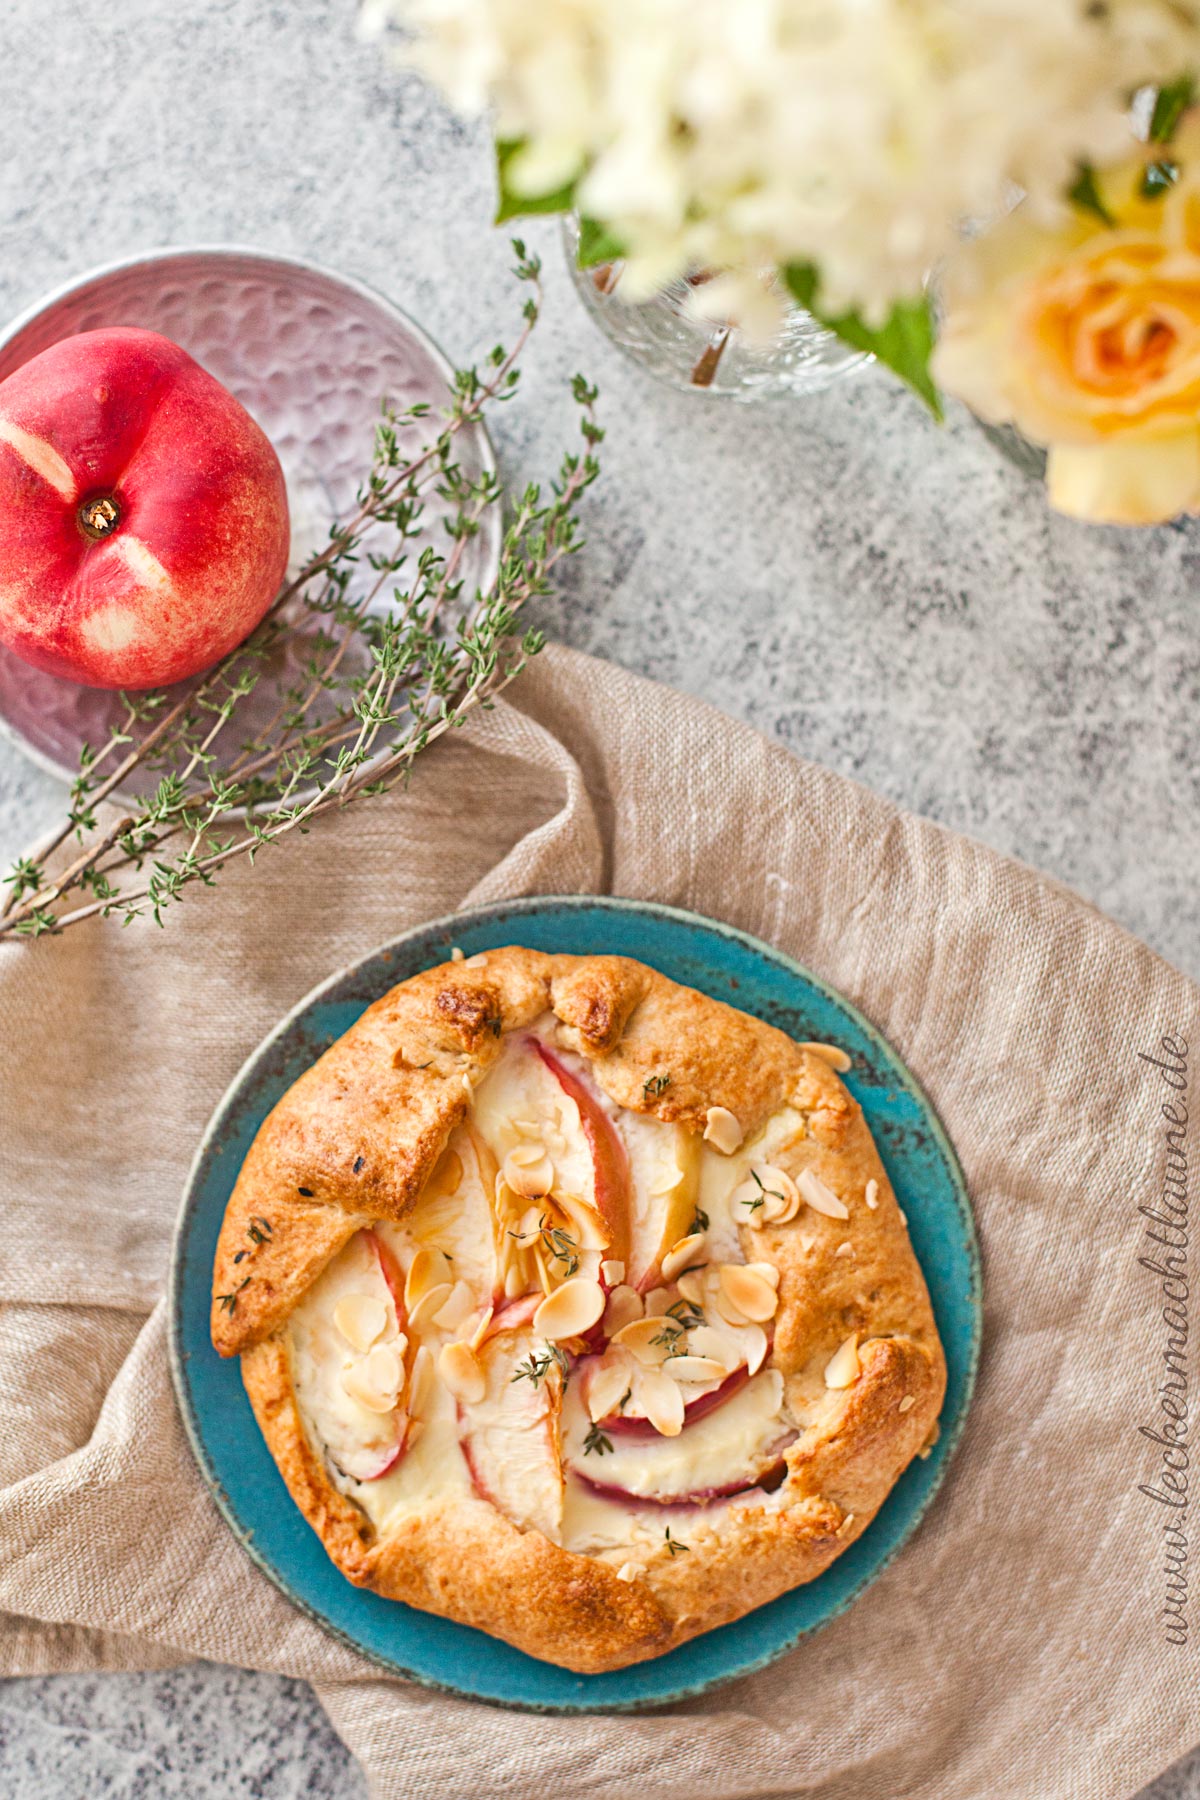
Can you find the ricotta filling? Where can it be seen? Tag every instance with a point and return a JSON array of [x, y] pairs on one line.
[[566, 1324]]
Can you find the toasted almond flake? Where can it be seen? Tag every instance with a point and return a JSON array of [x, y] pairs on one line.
[[722, 1130], [872, 1194], [467, 1088], [457, 1310], [843, 1368], [748, 1293], [754, 1341], [629, 1571], [661, 1401], [527, 1128], [459, 1369], [414, 1433], [529, 1179], [847, 1522], [360, 1318], [481, 1330], [821, 1198], [707, 1340], [639, 1337], [691, 1286], [907, 1402], [624, 1306], [375, 1382], [584, 1222], [831, 1054], [771, 1199], [665, 1181], [456, 955], [657, 1302], [767, 1270], [613, 1272], [607, 1385], [694, 1369], [525, 1155], [529, 1225], [478, 961], [688, 1250], [570, 1310], [844, 1250], [430, 1303], [514, 1282], [420, 1387], [903, 1218], [428, 1269]]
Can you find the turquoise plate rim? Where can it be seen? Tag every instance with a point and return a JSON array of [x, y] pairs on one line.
[[574, 1693]]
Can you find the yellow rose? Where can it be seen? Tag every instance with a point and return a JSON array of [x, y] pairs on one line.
[[1087, 339]]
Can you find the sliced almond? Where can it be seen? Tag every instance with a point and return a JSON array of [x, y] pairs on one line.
[[613, 1272], [583, 1222], [570, 1310], [523, 1156], [691, 1285], [872, 1194], [526, 1128], [529, 1179], [768, 1197], [456, 955], [722, 1130], [844, 1250], [748, 1292], [624, 1306], [460, 1370], [767, 1270], [694, 1369], [514, 1283], [666, 1179], [719, 1346], [753, 1340], [375, 1382], [430, 1303], [648, 1339], [688, 1250], [661, 1401], [821, 1198], [607, 1386], [831, 1054], [360, 1318], [428, 1269], [657, 1302], [629, 1571], [480, 1330], [447, 1176], [420, 1386], [529, 1225], [457, 1309], [907, 1402], [843, 1368]]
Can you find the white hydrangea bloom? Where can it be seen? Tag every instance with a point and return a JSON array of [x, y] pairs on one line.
[[745, 134]]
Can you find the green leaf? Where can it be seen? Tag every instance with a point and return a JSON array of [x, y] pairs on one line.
[[1086, 195], [597, 244], [1157, 178], [904, 342], [511, 205], [1170, 104]]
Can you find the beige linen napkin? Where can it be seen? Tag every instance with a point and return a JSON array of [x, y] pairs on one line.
[[1016, 1647]]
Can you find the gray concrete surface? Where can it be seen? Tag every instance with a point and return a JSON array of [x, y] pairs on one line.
[[873, 592]]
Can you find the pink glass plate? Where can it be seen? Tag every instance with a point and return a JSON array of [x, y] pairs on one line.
[[311, 355]]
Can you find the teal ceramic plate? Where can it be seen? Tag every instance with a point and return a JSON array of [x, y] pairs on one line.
[[238, 1467]]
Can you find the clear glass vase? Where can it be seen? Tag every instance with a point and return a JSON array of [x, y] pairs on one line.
[[665, 338]]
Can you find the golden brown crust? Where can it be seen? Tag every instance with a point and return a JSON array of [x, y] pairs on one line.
[[355, 1140]]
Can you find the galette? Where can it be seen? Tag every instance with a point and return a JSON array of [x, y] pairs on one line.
[[576, 1306]]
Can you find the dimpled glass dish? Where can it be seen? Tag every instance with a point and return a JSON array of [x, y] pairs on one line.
[[238, 1467], [311, 355]]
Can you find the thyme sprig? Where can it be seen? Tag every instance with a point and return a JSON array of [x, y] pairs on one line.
[[374, 689], [597, 1441], [539, 1363]]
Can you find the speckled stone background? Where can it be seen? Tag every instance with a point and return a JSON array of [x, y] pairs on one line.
[[875, 593]]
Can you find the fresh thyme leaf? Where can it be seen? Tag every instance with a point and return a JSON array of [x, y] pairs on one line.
[[674, 1545], [1170, 104], [1085, 194], [699, 1222], [540, 1362], [654, 1085], [670, 1337], [687, 1316], [561, 1245], [229, 1301], [596, 1441]]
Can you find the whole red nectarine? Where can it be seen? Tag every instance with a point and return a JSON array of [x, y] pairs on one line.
[[143, 513]]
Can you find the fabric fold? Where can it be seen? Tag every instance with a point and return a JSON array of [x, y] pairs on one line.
[[1017, 1643]]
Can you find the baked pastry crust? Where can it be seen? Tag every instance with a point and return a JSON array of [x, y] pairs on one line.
[[353, 1144]]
